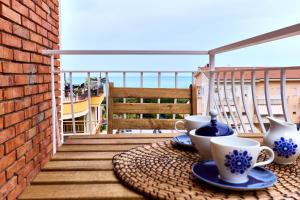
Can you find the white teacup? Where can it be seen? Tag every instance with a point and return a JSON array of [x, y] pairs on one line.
[[192, 122], [235, 157]]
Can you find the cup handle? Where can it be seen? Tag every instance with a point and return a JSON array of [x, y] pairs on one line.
[[271, 157], [178, 122]]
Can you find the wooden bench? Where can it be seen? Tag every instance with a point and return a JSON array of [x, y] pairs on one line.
[[149, 108]]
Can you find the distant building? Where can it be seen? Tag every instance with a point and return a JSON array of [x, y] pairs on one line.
[[292, 91], [81, 108]]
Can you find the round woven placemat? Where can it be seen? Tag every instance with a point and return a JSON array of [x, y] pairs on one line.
[[162, 171]]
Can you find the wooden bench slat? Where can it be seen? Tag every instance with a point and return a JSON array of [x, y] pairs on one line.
[[151, 93], [114, 141], [78, 165], [165, 124], [84, 155], [74, 177], [132, 136], [79, 191], [151, 108], [97, 148]]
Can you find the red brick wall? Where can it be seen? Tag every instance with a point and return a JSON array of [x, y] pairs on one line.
[[27, 27]]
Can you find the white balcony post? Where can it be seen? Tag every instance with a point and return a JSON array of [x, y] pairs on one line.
[[53, 106], [210, 103]]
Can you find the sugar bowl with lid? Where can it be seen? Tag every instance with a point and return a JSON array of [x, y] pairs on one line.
[[201, 137]]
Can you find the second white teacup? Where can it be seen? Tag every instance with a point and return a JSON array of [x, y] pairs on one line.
[[192, 122], [235, 157]]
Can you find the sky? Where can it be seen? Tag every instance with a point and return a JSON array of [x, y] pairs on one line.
[[175, 25]]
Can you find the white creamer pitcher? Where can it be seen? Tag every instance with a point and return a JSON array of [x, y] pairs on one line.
[[284, 139]]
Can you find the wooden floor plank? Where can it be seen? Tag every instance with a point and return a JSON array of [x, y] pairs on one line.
[[74, 177], [82, 169], [79, 191], [78, 165], [137, 136], [84, 155], [97, 148], [114, 141]]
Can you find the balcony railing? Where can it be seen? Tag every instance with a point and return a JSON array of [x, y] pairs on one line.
[[233, 111]]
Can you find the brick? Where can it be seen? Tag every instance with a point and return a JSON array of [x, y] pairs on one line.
[[35, 58], [22, 103], [47, 95], [29, 68], [1, 122], [7, 2], [11, 171], [23, 126], [33, 110], [8, 186], [13, 118], [28, 45], [40, 12], [28, 24], [7, 107], [46, 25], [7, 134], [43, 69], [33, 173], [36, 38], [21, 79], [20, 31], [13, 92], [36, 140], [1, 151], [30, 89], [21, 56], [7, 160], [25, 170], [44, 106], [6, 80], [43, 125], [20, 8], [43, 88], [22, 150], [34, 17], [2, 178], [18, 190], [14, 143], [10, 67], [31, 133], [37, 99], [10, 14], [48, 113], [11, 40], [6, 53], [42, 31], [53, 38], [5, 25], [29, 3], [32, 153]]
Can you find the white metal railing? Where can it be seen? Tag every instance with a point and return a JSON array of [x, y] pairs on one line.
[[241, 115], [139, 77]]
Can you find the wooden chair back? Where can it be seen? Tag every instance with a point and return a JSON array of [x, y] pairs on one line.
[[149, 108]]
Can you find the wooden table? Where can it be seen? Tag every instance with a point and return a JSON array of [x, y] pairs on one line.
[[82, 168]]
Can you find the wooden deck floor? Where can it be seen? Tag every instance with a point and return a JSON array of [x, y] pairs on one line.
[[82, 169]]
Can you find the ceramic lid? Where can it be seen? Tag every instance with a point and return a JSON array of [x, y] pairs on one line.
[[214, 128]]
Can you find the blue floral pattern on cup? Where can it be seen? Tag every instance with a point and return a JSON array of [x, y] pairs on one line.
[[285, 147], [238, 161]]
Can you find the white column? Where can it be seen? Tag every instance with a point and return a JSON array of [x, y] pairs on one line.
[[210, 103]]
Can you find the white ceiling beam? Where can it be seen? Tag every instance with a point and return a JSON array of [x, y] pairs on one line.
[[267, 37], [123, 52]]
